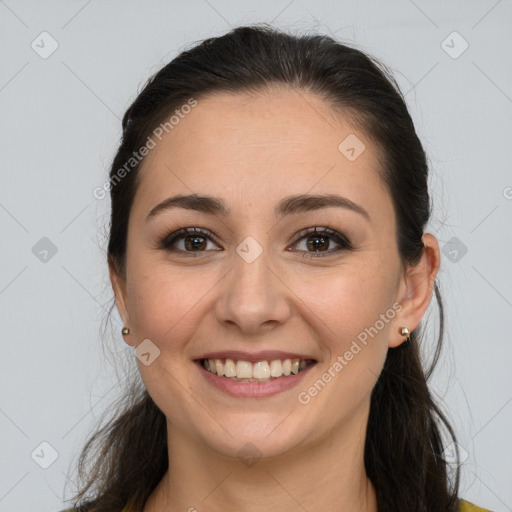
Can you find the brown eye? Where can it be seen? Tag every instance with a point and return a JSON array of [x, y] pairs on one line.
[[318, 242], [195, 240]]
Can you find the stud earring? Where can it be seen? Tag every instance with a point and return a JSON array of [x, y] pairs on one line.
[[405, 332], [125, 330]]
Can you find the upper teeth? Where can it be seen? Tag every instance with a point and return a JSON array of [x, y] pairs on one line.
[[259, 370]]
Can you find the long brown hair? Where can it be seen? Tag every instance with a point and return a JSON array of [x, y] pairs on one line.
[[125, 459]]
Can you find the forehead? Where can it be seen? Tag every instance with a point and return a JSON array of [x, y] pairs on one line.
[[261, 147]]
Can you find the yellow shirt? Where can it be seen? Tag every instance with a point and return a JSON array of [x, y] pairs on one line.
[[465, 506]]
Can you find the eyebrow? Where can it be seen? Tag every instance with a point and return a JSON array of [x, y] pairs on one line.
[[288, 206]]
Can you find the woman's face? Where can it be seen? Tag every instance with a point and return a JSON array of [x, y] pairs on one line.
[[253, 285]]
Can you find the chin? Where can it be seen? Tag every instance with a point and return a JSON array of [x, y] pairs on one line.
[[256, 437]]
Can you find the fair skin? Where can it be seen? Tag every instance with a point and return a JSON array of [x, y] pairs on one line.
[[252, 151]]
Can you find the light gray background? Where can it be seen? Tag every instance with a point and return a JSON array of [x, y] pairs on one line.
[[60, 124]]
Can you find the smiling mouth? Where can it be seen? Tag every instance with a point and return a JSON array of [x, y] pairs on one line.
[[260, 371]]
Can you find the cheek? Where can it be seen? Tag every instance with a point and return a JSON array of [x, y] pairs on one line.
[[353, 310], [163, 306], [347, 308], [166, 309], [350, 298]]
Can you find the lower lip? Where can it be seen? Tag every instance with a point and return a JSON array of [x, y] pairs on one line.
[[253, 389]]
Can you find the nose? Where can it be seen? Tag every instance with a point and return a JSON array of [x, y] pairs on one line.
[[254, 297]]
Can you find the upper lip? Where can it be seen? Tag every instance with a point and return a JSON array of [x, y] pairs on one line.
[[264, 355]]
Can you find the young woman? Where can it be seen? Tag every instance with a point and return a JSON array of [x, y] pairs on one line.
[[269, 260]]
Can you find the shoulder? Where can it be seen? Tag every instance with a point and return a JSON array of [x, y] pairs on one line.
[[466, 506]]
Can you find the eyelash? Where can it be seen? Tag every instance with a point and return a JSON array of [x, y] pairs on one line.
[[333, 235]]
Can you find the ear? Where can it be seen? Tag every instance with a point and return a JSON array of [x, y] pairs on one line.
[[415, 290], [119, 287]]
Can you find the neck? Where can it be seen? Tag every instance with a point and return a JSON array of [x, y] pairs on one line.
[[328, 475]]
